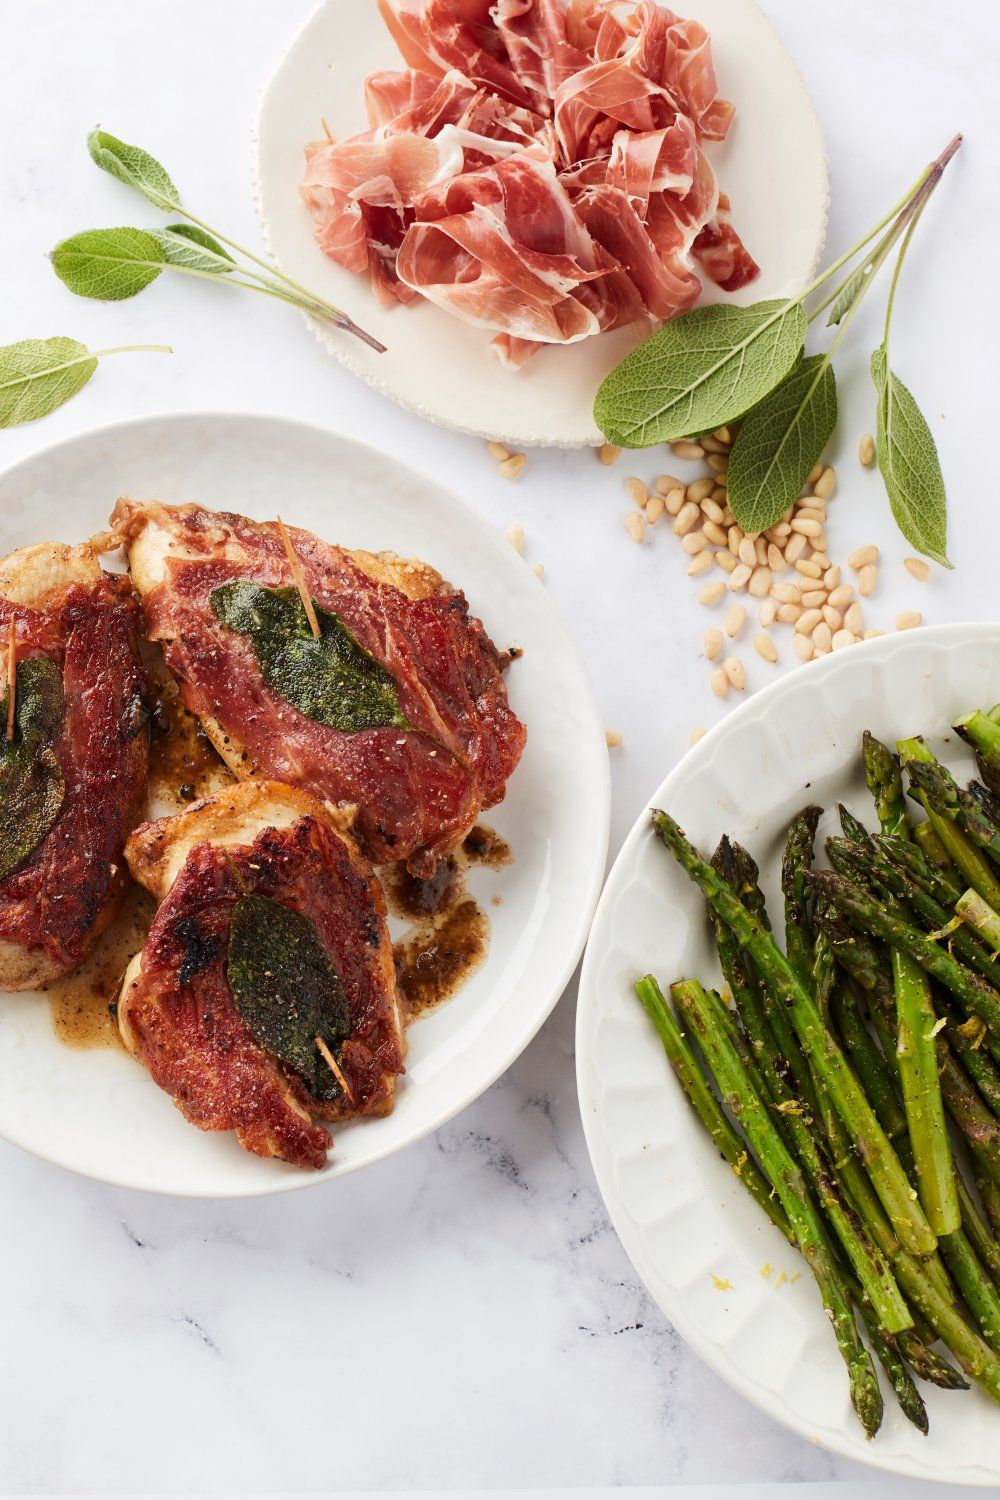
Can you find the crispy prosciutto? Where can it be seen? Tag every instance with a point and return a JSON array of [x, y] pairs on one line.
[[396, 706], [73, 756], [537, 170], [264, 999]]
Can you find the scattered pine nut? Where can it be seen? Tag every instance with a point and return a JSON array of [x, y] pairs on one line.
[[825, 485], [636, 490], [726, 561], [789, 614], [867, 579], [635, 525], [716, 533], [803, 647], [809, 513], [735, 672], [718, 463], [814, 473], [767, 612], [515, 536], [814, 598], [654, 509], [760, 583], [866, 450], [735, 620], [807, 527], [609, 453], [713, 510], [735, 538], [700, 490], [917, 568], [822, 638], [613, 737], [842, 638], [675, 500], [696, 735], [833, 617], [719, 683], [748, 552], [666, 483], [694, 542], [687, 517], [795, 548], [852, 618], [808, 621], [700, 564], [711, 593], [908, 620], [740, 577], [861, 556], [722, 435], [498, 451], [786, 593], [841, 595], [689, 451], [713, 643], [511, 467], [765, 647], [538, 569], [712, 444], [831, 578]]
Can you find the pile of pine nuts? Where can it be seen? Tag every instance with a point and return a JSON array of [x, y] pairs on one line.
[[786, 571]]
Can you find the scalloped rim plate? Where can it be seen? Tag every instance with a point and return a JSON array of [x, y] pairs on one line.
[[773, 166], [700, 1244], [98, 1112]]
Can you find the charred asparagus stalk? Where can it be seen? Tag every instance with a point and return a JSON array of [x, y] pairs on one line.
[[972, 863]]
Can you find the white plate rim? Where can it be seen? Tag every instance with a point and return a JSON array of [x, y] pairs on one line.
[[713, 1355], [601, 791]]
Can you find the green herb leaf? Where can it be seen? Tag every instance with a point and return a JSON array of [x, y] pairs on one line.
[[108, 264], [778, 444], [286, 989], [132, 165], [908, 460], [32, 786], [187, 245], [853, 289], [329, 678], [37, 375], [700, 371]]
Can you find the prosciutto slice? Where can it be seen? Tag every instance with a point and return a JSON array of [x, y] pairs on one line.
[[537, 170]]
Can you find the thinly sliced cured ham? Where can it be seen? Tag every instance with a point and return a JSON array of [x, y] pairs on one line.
[[537, 170]]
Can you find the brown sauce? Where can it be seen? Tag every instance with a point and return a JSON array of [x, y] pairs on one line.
[[183, 763], [484, 846], [80, 1003]]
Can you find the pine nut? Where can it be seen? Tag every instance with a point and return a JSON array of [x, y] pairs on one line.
[[712, 445], [831, 578], [694, 542], [795, 548], [841, 596], [776, 558], [821, 560], [748, 552], [789, 614], [814, 473], [696, 735], [866, 450], [719, 683], [767, 612], [808, 568], [807, 528], [713, 643], [917, 568], [808, 621], [765, 647], [713, 510], [666, 483], [687, 516], [711, 593], [871, 634], [739, 578], [735, 537], [700, 489], [613, 738], [867, 579], [722, 434], [781, 532], [833, 617], [654, 509], [822, 638], [861, 556], [609, 453], [735, 619], [819, 551], [734, 670], [515, 536], [690, 451], [760, 546], [852, 618], [716, 533], [825, 484], [635, 525], [498, 451], [908, 620], [511, 467], [760, 583], [538, 569], [700, 564], [786, 593], [726, 561], [718, 463], [814, 598], [803, 647], [636, 490], [842, 638], [810, 513], [720, 495], [675, 500]]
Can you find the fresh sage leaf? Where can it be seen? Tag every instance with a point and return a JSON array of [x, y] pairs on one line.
[[132, 165], [779, 442], [852, 291], [38, 375], [287, 989], [32, 785], [329, 678], [909, 463], [700, 371], [188, 246], [108, 264]]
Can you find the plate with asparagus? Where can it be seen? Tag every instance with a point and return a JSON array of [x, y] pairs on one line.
[[788, 1051]]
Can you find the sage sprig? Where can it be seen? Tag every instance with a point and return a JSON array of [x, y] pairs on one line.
[[112, 264], [38, 375], [721, 365]]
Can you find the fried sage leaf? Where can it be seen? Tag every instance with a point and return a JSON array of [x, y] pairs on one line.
[[329, 678], [779, 442], [287, 990], [32, 786], [911, 469]]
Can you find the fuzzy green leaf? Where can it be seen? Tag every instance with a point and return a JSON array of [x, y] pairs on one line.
[[908, 460], [853, 289], [187, 245], [32, 785], [108, 264], [700, 371], [778, 444], [132, 165], [38, 375]]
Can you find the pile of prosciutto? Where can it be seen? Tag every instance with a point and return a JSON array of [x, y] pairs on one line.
[[537, 170]]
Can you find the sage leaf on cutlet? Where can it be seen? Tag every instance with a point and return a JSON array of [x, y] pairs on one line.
[[32, 785], [135, 167], [287, 989], [108, 264], [779, 442], [188, 246], [699, 372], [909, 464]]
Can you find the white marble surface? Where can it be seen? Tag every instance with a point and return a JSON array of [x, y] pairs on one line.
[[461, 1316]]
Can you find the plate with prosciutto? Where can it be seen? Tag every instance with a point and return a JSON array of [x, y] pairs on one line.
[[294, 864], [514, 193]]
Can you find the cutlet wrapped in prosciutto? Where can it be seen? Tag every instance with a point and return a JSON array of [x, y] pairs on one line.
[[264, 999], [537, 170], [73, 756], [397, 706]]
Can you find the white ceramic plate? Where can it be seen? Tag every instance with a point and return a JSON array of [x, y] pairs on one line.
[[773, 166], [98, 1112], [682, 1216]]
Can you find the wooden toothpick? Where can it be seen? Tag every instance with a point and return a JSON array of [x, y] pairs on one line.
[[334, 1067], [299, 577]]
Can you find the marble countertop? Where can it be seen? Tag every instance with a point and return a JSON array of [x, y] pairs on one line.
[[471, 1290]]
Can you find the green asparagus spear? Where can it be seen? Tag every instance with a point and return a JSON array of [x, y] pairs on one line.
[[928, 1364], [933, 782], [889, 1353], [963, 853], [982, 732], [823, 1051], [869, 1064], [795, 862], [700, 1010], [971, 907], [972, 1353], [937, 879], [925, 836]]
